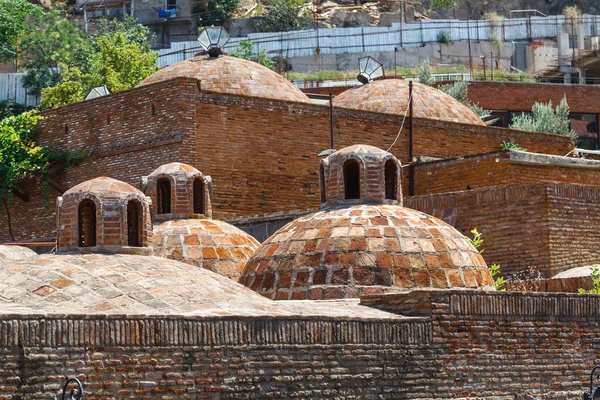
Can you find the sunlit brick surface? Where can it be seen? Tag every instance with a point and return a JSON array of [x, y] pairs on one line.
[[231, 75], [349, 252], [390, 96], [211, 244]]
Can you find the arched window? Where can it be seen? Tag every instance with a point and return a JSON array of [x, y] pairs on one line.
[[391, 180], [87, 223], [322, 180], [163, 194], [351, 179], [199, 196], [134, 223]]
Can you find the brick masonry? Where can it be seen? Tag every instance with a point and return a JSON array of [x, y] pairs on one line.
[[464, 344], [547, 224], [260, 153]]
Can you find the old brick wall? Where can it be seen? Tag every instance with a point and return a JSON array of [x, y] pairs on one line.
[[516, 96], [492, 170], [261, 154], [549, 226], [464, 344]]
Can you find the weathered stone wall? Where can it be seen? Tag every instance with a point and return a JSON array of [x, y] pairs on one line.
[[464, 344]]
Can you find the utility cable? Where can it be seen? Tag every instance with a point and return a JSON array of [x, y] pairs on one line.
[[403, 119]]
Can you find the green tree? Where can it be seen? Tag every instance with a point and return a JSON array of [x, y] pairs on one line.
[[121, 60], [444, 3], [12, 23], [48, 40], [282, 16], [217, 13], [459, 91], [19, 155], [425, 72], [544, 118], [245, 50], [9, 108]]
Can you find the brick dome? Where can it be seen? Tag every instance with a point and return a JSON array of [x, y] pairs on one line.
[[390, 96], [210, 244], [122, 284], [103, 185], [231, 75], [365, 249]]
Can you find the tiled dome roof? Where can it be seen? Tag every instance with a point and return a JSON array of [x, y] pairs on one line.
[[103, 185], [390, 96], [231, 75], [365, 249], [211, 244], [176, 169], [97, 284]]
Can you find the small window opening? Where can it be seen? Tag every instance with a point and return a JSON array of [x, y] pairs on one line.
[[134, 213], [153, 109], [87, 223], [163, 191], [351, 179], [199, 196], [107, 119], [66, 129], [322, 180], [391, 180]]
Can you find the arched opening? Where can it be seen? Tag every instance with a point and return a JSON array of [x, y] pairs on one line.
[[322, 180], [134, 223], [391, 180], [163, 194], [351, 179], [199, 196], [153, 109], [87, 223]]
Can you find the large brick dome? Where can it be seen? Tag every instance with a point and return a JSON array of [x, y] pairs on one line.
[[363, 241], [122, 284], [231, 75], [366, 249], [390, 96], [207, 243]]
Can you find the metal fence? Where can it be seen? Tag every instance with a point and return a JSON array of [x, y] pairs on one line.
[[387, 39], [11, 88]]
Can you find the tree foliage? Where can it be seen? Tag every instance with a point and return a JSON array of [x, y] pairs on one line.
[[217, 13], [13, 14], [544, 118], [444, 3], [245, 50], [282, 16], [121, 59], [425, 72]]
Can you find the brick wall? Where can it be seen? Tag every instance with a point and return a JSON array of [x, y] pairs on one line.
[[261, 154], [492, 170], [462, 344], [514, 96], [547, 226]]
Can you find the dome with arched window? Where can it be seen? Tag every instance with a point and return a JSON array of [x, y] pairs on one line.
[[184, 229], [106, 215], [363, 241]]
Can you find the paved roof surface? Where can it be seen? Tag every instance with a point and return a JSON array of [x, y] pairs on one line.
[[140, 285], [103, 184]]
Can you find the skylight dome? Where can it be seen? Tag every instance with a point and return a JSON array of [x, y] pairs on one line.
[[369, 69]]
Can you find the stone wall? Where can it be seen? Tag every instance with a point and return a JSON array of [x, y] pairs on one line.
[[261, 154], [462, 344]]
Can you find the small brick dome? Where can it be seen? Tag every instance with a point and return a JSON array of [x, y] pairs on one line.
[[104, 214], [123, 284], [210, 244], [360, 174], [390, 96], [231, 75], [179, 191]]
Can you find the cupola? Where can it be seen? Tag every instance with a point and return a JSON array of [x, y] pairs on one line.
[[104, 215]]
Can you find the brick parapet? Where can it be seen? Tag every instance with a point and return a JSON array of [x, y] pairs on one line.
[[129, 330]]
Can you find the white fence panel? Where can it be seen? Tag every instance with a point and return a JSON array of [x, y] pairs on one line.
[[11, 88]]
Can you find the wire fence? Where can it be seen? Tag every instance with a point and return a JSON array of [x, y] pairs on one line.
[[388, 39]]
